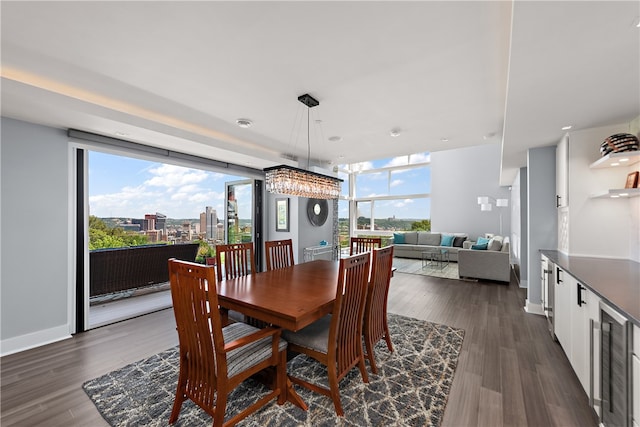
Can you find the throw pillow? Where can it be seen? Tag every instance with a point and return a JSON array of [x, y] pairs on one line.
[[482, 240], [495, 244], [457, 241], [447, 240], [398, 238], [482, 247]]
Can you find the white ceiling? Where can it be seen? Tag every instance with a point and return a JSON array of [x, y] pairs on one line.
[[177, 75]]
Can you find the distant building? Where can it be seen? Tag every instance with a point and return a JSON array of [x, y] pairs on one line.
[[161, 222], [149, 222], [130, 227], [211, 219]]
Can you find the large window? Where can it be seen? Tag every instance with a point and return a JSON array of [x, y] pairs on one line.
[[386, 195], [157, 202]]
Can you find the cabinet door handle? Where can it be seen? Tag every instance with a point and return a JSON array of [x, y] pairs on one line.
[[580, 289], [557, 201], [558, 279]]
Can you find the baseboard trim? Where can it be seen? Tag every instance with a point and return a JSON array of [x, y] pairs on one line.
[[532, 308], [33, 340]]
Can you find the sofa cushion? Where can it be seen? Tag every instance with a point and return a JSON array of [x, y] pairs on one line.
[[482, 240], [447, 240], [430, 239], [398, 238], [411, 238], [495, 243], [480, 247], [458, 240]]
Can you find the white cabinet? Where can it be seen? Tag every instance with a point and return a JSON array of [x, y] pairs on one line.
[[576, 314], [562, 173], [562, 309]]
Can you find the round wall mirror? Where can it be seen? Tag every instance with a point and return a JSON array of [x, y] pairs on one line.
[[317, 211]]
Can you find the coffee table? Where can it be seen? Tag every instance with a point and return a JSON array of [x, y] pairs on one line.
[[435, 258]]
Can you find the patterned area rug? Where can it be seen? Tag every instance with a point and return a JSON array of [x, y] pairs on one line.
[[411, 388], [416, 266]]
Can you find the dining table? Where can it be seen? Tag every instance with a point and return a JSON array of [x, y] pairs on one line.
[[291, 298]]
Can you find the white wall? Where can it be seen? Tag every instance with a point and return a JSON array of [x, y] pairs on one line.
[[35, 276], [301, 231], [458, 177], [599, 227], [542, 228]]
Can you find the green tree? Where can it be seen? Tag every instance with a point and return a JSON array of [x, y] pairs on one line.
[[424, 225], [102, 236]]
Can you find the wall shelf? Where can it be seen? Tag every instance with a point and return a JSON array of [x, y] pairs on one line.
[[617, 194], [606, 161]]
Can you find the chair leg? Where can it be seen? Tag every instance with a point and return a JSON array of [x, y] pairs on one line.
[[370, 356], [363, 370], [177, 406], [221, 408], [281, 377], [179, 399], [387, 337], [335, 394]]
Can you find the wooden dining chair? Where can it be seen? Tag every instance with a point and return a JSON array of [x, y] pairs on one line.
[[375, 325], [236, 260], [358, 245], [279, 254], [214, 360], [336, 339]]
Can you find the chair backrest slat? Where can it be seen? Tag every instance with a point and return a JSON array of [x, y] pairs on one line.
[[279, 254]]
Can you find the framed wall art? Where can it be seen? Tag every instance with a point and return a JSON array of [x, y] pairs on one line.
[[632, 180], [282, 214]]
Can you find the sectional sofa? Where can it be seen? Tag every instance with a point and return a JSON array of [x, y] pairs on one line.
[[491, 262], [485, 258], [412, 244]]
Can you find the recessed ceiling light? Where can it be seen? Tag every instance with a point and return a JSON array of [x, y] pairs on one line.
[[623, 160], [244, 123], [335, 138], [444, 139], [624, 194], [566, 127], [615, 164], [636, 22], [395, 132], [614, 196]]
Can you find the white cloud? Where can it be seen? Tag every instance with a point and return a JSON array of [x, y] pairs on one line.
[[396, 182], [174, 176]]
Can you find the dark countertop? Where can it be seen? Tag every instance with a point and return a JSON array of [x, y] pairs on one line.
[[617, 281]]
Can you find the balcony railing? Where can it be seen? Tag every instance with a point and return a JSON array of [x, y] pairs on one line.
[[122, 269]]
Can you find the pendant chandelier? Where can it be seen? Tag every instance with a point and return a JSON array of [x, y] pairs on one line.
[[292, 181]]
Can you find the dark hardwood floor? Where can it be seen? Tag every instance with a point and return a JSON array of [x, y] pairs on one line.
[[509, 373]]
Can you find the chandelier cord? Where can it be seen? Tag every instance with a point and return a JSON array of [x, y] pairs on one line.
[[308, 140]]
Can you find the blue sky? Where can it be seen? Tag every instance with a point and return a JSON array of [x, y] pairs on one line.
[[128, 187]]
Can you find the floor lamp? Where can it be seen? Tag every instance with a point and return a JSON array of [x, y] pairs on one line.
[[486, 204]]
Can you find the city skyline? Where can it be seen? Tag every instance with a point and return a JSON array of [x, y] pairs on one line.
[[142, 187]]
